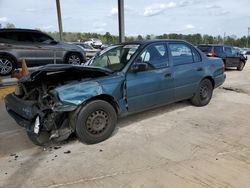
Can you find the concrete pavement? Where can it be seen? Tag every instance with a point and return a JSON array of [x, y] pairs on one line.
[[174, 146]]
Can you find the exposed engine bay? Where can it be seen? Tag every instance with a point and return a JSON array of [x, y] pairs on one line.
[[38, 101]]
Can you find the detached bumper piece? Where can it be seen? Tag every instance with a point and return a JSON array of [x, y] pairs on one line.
[[24, 112]]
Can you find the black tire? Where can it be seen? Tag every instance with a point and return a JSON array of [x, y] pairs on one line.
[[7, 65], [41, 139], [74, 59], [241, 66], [203, 94], [96, 121]]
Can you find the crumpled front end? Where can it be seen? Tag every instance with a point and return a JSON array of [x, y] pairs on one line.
[[48, 101]]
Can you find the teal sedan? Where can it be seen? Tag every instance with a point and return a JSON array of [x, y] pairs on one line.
[[58, 100]]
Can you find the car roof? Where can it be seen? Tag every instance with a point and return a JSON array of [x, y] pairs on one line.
[[214, 45], [18, 30], [145, 42]]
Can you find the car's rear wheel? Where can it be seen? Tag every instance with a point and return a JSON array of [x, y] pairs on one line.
[[74, 59], [203, 94], [41, 139], [96, 122], [7, 65], [241, 66]]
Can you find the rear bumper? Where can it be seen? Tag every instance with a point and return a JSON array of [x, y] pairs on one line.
[[219, 80], [23, 112]]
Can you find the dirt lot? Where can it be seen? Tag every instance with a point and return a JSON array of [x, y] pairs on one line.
[[175, 146]]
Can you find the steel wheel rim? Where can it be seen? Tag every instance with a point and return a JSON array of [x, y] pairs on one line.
[[204, 92], [74, 60], [97, 122], [5, 66]]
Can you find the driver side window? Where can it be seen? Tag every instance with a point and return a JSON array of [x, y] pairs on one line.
[[155, 55]]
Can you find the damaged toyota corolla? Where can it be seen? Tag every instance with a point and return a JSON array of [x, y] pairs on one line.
[[57, 100]]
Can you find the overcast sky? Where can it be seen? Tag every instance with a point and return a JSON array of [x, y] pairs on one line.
[[141, 16]]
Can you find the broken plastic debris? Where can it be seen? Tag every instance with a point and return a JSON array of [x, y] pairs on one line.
[[67, 152]]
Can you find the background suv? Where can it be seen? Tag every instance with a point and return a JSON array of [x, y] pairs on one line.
[[231, 56], [36, 47]]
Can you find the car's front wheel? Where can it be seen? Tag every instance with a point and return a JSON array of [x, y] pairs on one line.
[[74, 59], [96, 122], [241, 66], [203, 94], [7, 65]]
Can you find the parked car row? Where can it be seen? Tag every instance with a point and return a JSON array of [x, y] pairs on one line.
[[230, 55], [58, 100]]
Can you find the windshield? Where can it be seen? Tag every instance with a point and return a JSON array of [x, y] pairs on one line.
[[114, 58]]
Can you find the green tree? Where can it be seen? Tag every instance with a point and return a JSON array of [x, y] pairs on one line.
[[139, 38], [10, 25], [108, 38]]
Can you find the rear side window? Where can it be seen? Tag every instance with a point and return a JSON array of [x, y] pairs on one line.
[[24, 37], [12, 36], [205, 49], [41, 38], [218, 50], [181, 53], [228, 50]]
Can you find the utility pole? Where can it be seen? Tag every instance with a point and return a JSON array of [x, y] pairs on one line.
[[121, 20], [248, 30], [224, 38], [59, 17]]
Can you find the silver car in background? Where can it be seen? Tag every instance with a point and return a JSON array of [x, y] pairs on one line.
[[36, 47], [89, 50]]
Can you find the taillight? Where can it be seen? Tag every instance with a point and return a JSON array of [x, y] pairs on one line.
[[212, 54]]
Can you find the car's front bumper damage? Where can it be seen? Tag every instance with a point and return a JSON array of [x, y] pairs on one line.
[[23, 112]]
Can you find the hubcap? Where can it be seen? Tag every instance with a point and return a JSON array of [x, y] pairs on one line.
[[74, 60], [204, 92], [97, 122], [5, 66]]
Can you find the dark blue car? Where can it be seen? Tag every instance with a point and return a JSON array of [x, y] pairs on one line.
[[57, 100]]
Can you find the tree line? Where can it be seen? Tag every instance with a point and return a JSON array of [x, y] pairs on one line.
[[195, 39], [108, 38]]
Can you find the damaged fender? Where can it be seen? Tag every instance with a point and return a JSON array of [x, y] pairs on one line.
[[77, 94]]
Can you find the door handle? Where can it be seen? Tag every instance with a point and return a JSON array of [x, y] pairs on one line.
[[168, 75], [199, 69]]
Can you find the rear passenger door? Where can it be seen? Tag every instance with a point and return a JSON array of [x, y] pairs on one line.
[[188, 69], [232, 60]]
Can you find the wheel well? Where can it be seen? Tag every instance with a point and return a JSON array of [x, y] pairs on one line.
[[10, 56], [72, 52], [108, 99], [211, 79]]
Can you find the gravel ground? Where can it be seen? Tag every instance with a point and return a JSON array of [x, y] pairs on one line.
[[174, 146]]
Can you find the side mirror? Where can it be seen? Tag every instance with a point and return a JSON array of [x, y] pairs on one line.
[[139, 67]]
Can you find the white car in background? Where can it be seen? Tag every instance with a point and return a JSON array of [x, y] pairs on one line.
[[245, 52], [96, 43], [89, 50]]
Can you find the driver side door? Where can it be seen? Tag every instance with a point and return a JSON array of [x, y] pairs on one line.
[[154, 86]]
